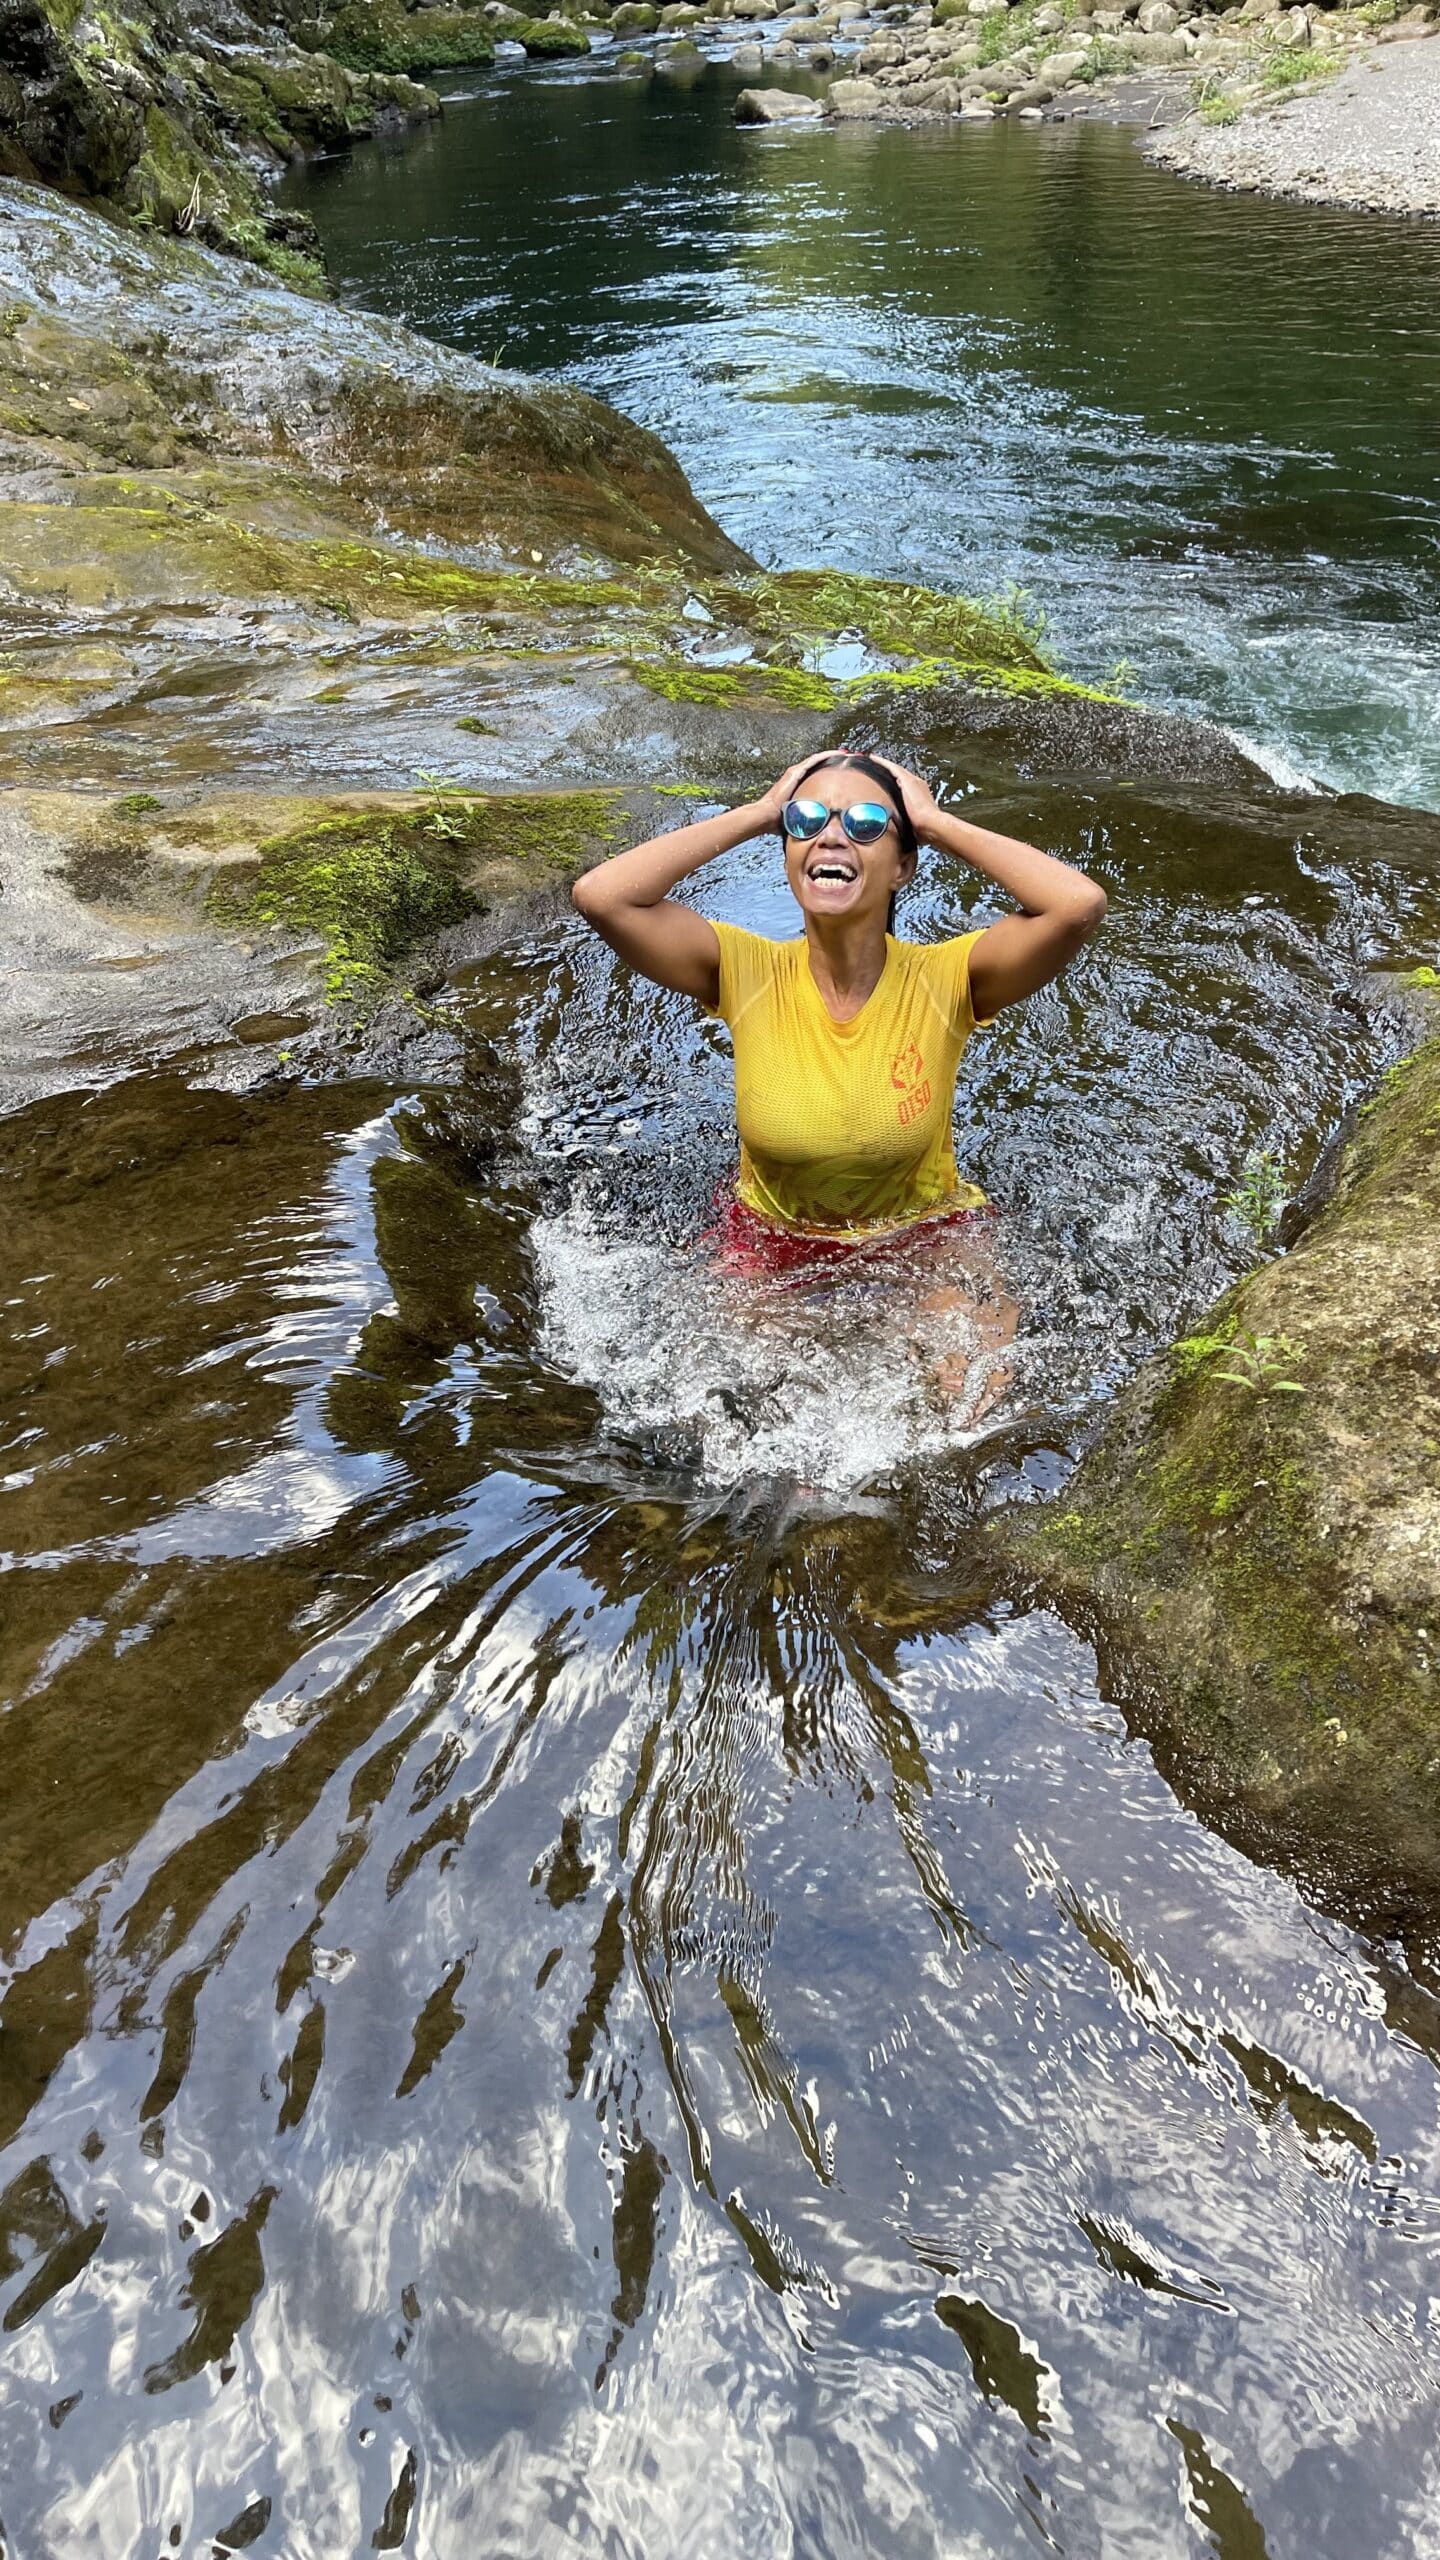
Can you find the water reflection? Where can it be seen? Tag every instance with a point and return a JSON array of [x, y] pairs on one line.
[[559, 1996]]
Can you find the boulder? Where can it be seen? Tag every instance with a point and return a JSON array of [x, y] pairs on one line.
[[755, 8], [775, 106], [1157, 18], [821, 57], [1290, 28], [1057, 68], [748, 60], [975, 111], [853, 99]]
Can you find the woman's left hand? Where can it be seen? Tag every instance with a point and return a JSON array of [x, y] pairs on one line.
[[920, 800]]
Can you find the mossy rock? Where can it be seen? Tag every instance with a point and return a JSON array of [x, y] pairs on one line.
[[381, 35], [635, 18], [369, 882], [1262, 1565], [548, 39]]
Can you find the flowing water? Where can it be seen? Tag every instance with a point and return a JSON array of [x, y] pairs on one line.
[[579, 1978], [1200, 428]]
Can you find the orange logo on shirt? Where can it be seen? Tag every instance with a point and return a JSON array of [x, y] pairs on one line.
[[907, 1074]]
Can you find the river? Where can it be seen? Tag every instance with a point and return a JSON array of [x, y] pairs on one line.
[[1199, 428], [581, 1976]]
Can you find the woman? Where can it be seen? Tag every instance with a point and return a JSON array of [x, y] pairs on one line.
[[847, 1042]]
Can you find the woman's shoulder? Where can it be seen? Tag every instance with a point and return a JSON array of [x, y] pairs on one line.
[[763, 952]]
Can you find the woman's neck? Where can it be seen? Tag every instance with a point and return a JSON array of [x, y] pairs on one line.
[[846, 956]]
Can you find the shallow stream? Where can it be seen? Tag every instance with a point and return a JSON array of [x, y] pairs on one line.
[[1199, 428], [580, 1979]]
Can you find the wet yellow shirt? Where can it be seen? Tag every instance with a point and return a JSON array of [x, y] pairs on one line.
[[846, 1125]]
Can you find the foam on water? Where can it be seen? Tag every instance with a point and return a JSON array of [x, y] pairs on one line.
[[838, 1379]]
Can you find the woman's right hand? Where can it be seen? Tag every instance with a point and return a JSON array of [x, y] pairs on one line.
[[779, 795]]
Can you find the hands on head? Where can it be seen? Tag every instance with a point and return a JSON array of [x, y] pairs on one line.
[[919, 800]]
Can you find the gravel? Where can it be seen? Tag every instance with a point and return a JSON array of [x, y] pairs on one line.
[[1371, 139]]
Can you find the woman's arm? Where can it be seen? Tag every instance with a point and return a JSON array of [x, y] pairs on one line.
[[1062, 906], [627, 899]]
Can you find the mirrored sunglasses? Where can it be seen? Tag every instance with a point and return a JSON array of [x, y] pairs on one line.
[[864, 822]]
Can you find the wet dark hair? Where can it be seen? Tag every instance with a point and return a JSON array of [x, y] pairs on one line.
[[880, 773]]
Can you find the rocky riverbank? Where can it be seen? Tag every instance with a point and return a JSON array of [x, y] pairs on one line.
[[977, 59], [1255, 1538], [1370, 140]]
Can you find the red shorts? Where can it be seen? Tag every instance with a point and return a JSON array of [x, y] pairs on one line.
[[752, 1248]]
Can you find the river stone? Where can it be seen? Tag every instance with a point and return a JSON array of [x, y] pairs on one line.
[[755, 8], [1057, 68], [748, 60], [1290, 28], [975, 111], [1157, 18], [821, 57], [775, 106], [853, 98], [784, 51]]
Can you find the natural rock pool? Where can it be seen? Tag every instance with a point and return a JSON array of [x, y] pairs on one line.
[[1200, 428], [581, 1977], [582, 1971]]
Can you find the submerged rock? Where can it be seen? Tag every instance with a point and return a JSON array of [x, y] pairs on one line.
[[1255, 1536]]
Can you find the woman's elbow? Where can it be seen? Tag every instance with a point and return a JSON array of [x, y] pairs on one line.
[[587, 896], [1091, 908]]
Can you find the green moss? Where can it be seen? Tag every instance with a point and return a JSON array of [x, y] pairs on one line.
[[373, 884], [678, 680], [544, 40], [382, 35], [894, 619], [561, 827], [136, 804], [1423, 977], [369, 888]]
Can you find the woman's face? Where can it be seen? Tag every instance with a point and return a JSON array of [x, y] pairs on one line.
[[830, 876]]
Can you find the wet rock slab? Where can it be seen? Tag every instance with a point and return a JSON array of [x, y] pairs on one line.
[[1255, 1537]]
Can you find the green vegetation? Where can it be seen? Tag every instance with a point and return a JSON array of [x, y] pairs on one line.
[[679, 680], [1292, 66], [1256, 1359], [898, 620], [1260, 1194], [370, 885], [364, 886], [545, 39], [382, 35], [1106, 56], [136, 804]]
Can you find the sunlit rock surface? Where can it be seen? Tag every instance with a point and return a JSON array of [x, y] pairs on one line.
[[1258, 1530]]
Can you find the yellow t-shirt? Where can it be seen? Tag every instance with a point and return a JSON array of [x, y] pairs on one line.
[[845, 1126]]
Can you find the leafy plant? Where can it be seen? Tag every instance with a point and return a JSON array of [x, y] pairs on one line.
[[1256, 1360], [1260, 1194]]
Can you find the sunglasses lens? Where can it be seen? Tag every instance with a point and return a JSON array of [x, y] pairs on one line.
[[866, 822], [803, 818]]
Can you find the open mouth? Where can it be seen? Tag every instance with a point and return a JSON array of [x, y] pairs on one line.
[[832, 869]]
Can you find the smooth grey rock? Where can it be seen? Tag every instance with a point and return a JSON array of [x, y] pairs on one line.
[[775, 106]]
